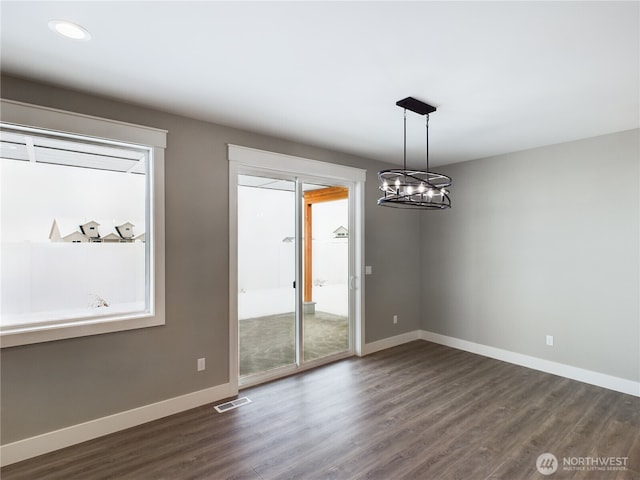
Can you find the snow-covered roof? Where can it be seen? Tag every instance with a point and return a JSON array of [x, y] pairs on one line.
[[111, 236], [67, 226]]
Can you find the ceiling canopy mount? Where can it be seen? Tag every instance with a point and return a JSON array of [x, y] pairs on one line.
[[416, 106]]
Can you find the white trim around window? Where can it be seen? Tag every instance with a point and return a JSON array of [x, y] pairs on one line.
[[25, 116]]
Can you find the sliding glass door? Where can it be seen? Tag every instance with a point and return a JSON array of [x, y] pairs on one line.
[[266, 274], [293, 273], [325, 266]]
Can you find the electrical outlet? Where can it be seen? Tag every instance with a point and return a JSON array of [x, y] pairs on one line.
[[550, 340], [368, 270], [395, 319], [201, 364]]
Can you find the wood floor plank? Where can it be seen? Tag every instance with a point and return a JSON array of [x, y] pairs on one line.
[[417, 411]]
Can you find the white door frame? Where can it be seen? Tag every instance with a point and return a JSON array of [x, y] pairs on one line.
[[244, 157]]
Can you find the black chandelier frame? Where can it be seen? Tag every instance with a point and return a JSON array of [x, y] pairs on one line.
[[418, 189]]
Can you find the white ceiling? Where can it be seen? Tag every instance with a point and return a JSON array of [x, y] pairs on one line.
[[505, 76]]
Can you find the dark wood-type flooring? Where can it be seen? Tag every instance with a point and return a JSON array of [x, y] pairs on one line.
[[417, 411]]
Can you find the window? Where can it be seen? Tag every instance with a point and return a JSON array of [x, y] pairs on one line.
[[82, 230]]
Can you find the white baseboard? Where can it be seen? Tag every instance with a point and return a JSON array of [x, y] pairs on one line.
[[390, 342], [587, 376], [65, 437]]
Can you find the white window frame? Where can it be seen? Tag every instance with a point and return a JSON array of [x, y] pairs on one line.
[[32, 116]]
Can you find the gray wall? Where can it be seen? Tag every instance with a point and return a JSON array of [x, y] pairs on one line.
[[538, 242], [52, 385]]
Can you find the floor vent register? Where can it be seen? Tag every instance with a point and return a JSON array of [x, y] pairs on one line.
[[238, 402]]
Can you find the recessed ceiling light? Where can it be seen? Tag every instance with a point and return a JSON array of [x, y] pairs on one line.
[[69, 30]]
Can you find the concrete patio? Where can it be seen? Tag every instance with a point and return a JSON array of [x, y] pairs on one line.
[[269, 342]]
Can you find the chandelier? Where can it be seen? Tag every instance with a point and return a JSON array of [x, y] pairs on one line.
[[420, 189]]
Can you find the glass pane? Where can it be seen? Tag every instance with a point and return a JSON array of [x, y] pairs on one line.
[[325, 271], [266, 274], [73, 229]]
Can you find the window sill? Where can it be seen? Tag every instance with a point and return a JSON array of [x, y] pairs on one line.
[[25, 334]]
